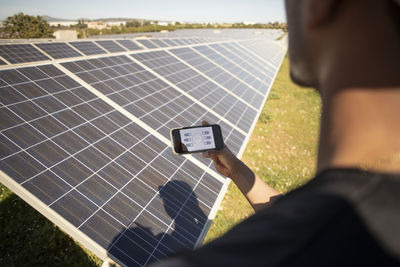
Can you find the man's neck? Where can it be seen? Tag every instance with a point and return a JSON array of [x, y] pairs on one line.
[[358, 126]]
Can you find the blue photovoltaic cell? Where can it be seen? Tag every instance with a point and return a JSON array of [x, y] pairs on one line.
[[147, 43], [147, 97], [130, 45], [226, 79], [159, 42], [58, 50], [232, 67], [88, 48], [110, 46], [199, 87], [20, 53]]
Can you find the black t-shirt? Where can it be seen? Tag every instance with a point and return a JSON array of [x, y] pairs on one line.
[[342, 217]]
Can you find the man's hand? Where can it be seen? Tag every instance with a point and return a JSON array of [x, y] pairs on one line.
[[225, 161], [257, 192]]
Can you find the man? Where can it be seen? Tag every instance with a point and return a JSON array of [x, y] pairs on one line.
[[349, 214]]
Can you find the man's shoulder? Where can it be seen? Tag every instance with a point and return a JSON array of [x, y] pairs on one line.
[[314, 223]]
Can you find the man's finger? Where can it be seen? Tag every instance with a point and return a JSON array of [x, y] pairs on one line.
[[204, 123]]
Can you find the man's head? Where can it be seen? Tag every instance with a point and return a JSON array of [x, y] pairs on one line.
[[323, 33]]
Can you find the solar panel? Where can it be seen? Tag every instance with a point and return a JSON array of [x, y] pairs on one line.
[[58, 50], [20, 53], [159, 43], [86, 141], [128, 44], [266, 78], [232, 67], [267, 69], [145, 96], [2, 62], [110, 46], [179, 41], [201, 88], [170, 42], [147, 43], [85, 161], [88, 48], [224, 78]]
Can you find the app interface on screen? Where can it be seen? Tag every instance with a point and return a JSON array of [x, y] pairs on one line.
[[198, 138]]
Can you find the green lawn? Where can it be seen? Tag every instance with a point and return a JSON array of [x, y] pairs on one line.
[[282, 150]]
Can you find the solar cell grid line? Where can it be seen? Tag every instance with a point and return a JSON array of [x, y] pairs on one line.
[[232, 67], [110, 46], [88, 48], [227, 80], [170, 42], [270, 52], [77, 188], [178, 42], [184, 41], [156, 103], [20, 53], [129, 44], [241, 62], [266, 67], [160, 43], [259, 48], [273, 56], [147, 43], [58, 50], [132, 108], [227, 76], [197, 86]]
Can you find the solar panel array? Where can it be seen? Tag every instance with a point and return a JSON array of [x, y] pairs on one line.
[[85, 135]]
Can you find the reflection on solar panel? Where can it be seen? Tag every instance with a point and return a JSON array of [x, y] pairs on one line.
[[86, 141], [20, 53], [110, 46], [2, 62], [128, 44], [88, 48], [147, 43], [58, 50]]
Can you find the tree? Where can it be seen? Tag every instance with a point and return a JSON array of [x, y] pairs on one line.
[[133, 23], [25, 26]]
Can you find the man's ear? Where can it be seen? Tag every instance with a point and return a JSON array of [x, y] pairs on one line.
[[319, 12]]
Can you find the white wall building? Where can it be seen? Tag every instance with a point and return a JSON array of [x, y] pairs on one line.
[[62, 23]]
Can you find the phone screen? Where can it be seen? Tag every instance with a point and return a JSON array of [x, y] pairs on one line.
[[200, 138]]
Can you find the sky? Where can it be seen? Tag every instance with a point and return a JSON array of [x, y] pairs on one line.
[[171, 10]]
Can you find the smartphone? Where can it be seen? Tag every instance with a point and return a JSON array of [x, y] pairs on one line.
[[196, 139]]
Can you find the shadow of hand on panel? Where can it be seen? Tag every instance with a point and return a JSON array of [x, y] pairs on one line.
[[172, 222]]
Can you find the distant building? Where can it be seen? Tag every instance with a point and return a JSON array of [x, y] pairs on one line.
[[65, 35], [62, 23], [249, 23], [162, 23], [98, 25], [115, 23]]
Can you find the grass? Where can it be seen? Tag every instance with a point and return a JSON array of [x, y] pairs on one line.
[[282, 150]]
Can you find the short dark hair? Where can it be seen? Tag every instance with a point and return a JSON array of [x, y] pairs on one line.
[[393, 8]]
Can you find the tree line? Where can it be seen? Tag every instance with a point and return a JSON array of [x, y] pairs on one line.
[[25, 26]]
